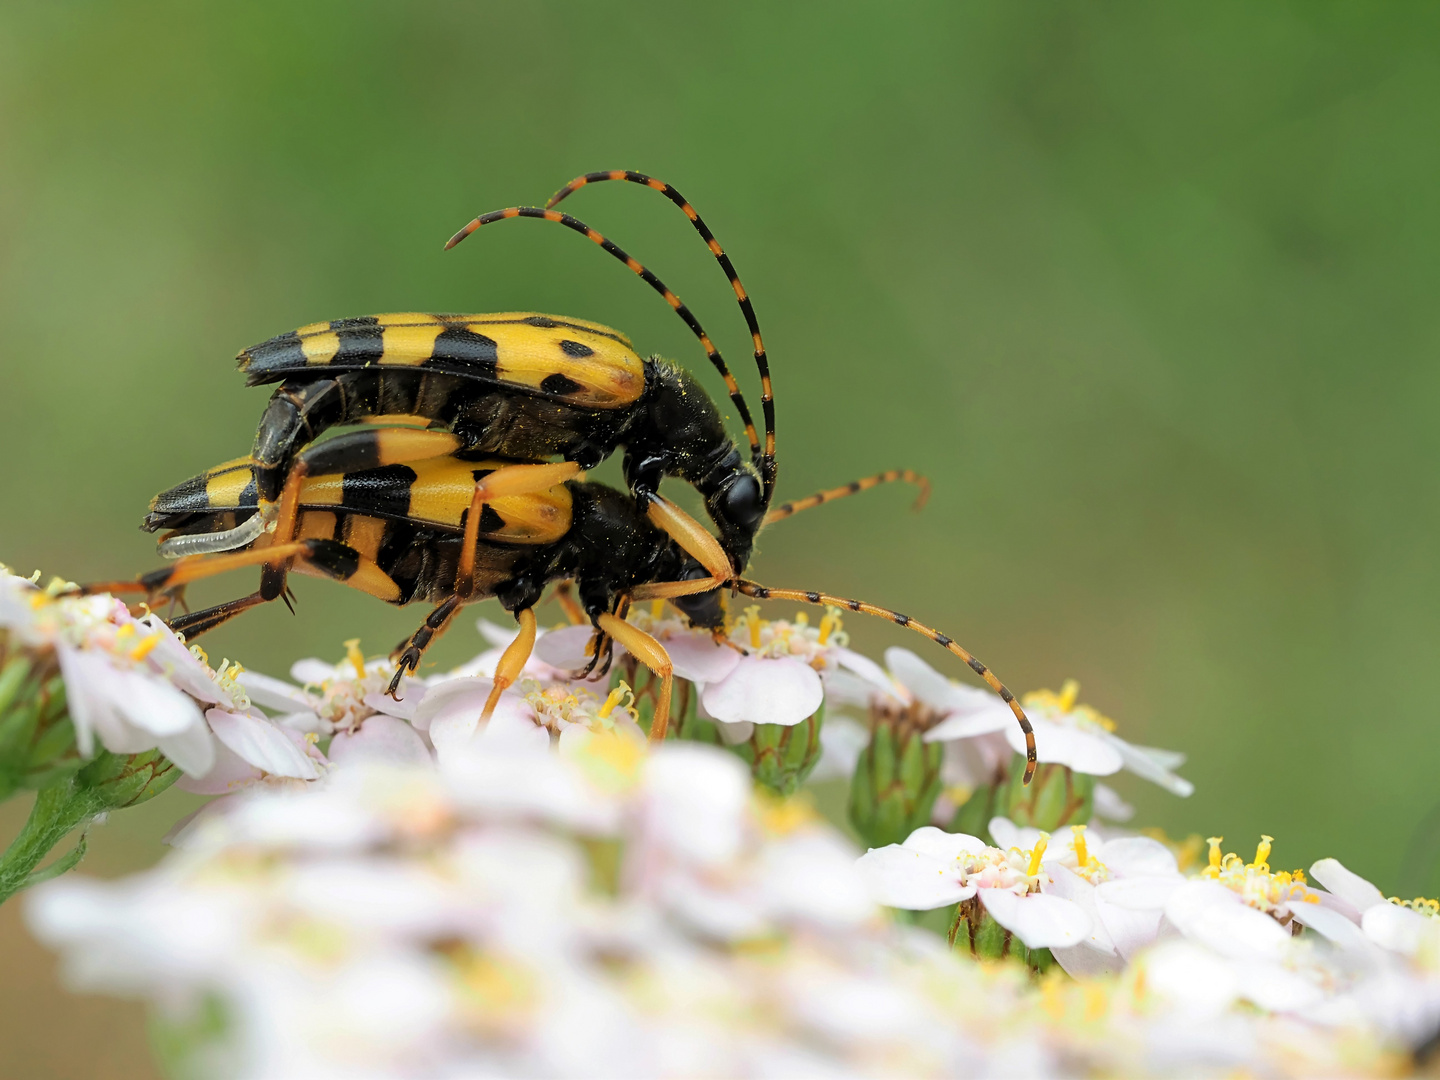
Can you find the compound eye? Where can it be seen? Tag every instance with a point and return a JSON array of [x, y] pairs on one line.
[[743, 504]]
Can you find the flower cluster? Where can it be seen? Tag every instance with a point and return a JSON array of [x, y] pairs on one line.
[[392, 886]]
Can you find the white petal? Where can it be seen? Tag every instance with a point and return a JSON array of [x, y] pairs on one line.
[[869, 673], [1346, 884], [1068, 885], [996, 717], [1214, 916], [1109, 804], [698, 658], [312, 672], [902, 877], [262, 744], [1083, 962], [1166, 759], [1395, 928], [381, 738], [941, 844], [495, 634], [193, 750], [411, 692], [154, 706], [275, 693], [451, 696], [1140, 762], [734, 734], [1082, 751], [921, 679], [1137, 856], [782, 691], [566, 648], [1130, 930], [695, 800], [1038, 920], [1272, 987], [1332, 925], [1140, 893], [230, 773]]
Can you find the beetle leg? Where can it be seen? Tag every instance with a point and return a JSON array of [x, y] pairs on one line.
[[512, 660], [434, 625], [697, 542], [564, 596], [509, 480], [194, 623], [653, 655]]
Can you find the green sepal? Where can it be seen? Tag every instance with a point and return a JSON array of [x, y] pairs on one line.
[[974, 932], [1057, 796], [895, 787], [781, 756]]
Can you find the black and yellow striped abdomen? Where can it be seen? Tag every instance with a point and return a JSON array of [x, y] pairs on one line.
[[575, 361], [435, 492]]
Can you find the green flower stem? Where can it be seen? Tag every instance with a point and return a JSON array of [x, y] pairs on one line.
[[58, 809], [108, 782]]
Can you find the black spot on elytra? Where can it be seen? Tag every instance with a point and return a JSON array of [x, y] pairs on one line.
[[540, 321], [462, 349], [575, 348], [490, 521], [559, 384]]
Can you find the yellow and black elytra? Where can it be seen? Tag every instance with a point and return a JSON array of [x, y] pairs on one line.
[[527, 386]]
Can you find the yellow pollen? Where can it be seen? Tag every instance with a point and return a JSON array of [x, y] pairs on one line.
[[1215, 842], [355, 656], [1262, 854], [1069, 692], [657, 608], [1082, 854], [143, 649], [1036, 853]]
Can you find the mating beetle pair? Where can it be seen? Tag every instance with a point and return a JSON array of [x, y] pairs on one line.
[[406, 512]]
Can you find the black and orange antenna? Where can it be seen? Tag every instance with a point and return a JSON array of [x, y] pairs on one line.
[[766, 462], [761, 592], [649, 278], [820, 498]]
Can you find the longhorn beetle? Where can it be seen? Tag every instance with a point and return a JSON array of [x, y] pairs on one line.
[[523, 385], [454, 532]]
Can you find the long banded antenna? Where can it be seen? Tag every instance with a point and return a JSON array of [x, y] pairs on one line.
[[760, 592], [765, 463], [820, 498], [650, 279]]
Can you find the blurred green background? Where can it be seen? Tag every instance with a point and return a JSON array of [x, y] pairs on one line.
[[1146, 289]]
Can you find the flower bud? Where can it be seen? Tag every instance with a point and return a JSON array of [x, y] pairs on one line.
[[781, 756], [1056, 797], [897, 778], [973, 931]]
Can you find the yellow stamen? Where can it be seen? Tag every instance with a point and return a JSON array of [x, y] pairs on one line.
[[1262, 854], [752, 621], [143, 649], [1082, 854], [355, 656], [1069, 692], [802, 618], [616, 696], [1215, 842], [1036, 853], [657, 608], [828, 625]]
